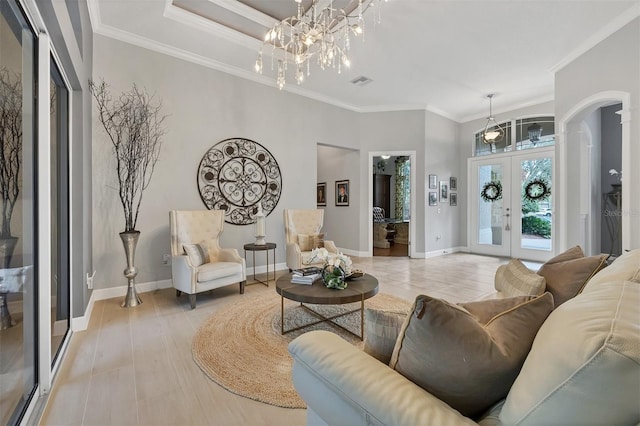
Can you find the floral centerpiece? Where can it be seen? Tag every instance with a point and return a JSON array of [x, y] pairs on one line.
[[337, 266]]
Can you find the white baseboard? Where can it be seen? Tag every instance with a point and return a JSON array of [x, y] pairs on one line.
[[354, 252], [82, 323], [442, 252]]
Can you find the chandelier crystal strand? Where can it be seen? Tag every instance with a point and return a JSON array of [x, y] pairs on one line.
[[320, 32]]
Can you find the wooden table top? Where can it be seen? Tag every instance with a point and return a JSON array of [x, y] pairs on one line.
[[357, 289]]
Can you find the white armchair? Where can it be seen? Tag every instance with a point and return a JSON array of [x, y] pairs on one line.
[[198, 263], [303, 226]]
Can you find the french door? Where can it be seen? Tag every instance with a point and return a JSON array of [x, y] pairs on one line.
[[511, 204]]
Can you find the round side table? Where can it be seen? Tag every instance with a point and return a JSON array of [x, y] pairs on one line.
[[253, 248]]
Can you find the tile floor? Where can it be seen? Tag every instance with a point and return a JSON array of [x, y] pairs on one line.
[[134, 366]]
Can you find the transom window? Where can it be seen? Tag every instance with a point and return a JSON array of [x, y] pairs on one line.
[[519, 134]]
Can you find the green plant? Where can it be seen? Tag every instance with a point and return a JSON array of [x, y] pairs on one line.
[[532, 225]]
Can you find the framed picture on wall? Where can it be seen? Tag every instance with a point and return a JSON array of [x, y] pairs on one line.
[[453, 199], [342, 193], [321, 194], [433, 198], [453, 184], [444, 191], [433, 182]]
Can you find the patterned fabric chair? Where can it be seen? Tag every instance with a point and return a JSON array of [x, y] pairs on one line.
[[198, 263], [302, 234], [381, 234]]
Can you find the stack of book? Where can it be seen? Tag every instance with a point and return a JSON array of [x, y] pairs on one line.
[[306, 275]]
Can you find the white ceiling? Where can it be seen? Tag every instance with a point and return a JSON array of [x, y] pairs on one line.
[[444, 55]]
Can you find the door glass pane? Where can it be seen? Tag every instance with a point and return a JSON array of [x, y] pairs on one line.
[[536, 203], [17, 236], [59, 212], [490, 219]]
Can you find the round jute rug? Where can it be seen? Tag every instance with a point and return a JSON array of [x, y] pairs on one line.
[[240, 347]]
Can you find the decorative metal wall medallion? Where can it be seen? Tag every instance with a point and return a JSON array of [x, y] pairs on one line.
[[235, 175]]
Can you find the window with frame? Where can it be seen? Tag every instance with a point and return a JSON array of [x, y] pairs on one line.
[[519, 134]]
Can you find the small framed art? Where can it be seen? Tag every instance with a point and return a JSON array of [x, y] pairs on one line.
[[444, 191], [433, 182], [433, 198], [453, 199], [321, 194], [453, 184], [342, 193]]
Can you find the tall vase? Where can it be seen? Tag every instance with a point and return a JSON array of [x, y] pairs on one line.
[[7, 246], [129, 241]]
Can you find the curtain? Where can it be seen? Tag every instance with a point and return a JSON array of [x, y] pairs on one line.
[[402, 188]]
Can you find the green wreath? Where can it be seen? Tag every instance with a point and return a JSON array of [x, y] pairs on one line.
[[537, 190], [491, 191]]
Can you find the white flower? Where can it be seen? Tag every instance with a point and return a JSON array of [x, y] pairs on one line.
[[334, 259], [614, 172]]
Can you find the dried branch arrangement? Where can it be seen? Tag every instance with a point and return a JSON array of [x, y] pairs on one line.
[[10, 145], [134, 125]]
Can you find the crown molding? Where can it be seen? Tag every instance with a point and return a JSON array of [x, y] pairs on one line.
[[198, 22], [94, 14], [629, 15], [245, 11]]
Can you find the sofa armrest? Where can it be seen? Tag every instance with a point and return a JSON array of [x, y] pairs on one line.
[[343, 385]]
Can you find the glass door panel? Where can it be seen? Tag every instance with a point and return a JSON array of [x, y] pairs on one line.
[[18, 311], [490, 207], [533, 233]]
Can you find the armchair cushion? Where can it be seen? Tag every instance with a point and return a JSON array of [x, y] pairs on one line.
[[198, 253], [308, 242], [213, 271], [470, 365]]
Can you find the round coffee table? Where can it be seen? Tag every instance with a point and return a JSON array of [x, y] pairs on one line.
[[358, 290]]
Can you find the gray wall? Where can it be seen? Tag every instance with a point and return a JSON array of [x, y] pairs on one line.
[[442, 159], [207, 106], [611, 158], [337, 164], [73, 41], [612, 65]]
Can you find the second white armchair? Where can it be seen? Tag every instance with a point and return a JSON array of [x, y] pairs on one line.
[[198, 263]]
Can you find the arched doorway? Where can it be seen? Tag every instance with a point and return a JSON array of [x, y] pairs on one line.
[[579, 172]]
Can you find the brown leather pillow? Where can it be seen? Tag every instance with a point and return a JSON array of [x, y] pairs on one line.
[[464, 362], [568, 273]]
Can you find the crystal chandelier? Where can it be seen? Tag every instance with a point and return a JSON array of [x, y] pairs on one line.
[[322, 32], [496, 133]]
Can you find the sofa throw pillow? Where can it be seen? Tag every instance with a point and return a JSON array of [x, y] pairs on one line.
[[469, 365], [198, 253], [515, 279], [381, 330], [308, 242], [584, 365], [566, 277]]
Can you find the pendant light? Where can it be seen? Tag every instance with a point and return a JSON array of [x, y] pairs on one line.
[[496, 133]]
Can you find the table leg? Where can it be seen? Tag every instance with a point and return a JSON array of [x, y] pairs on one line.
[[362, 318], [281, 314]]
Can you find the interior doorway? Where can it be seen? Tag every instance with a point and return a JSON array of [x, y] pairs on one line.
[[392, 191], [594, 152]]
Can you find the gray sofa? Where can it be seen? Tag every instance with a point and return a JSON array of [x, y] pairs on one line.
[[583, 368]]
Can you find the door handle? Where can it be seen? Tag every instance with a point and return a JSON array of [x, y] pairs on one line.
[[506, 226]]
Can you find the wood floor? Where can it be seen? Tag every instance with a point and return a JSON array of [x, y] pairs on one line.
[[134, 366]]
